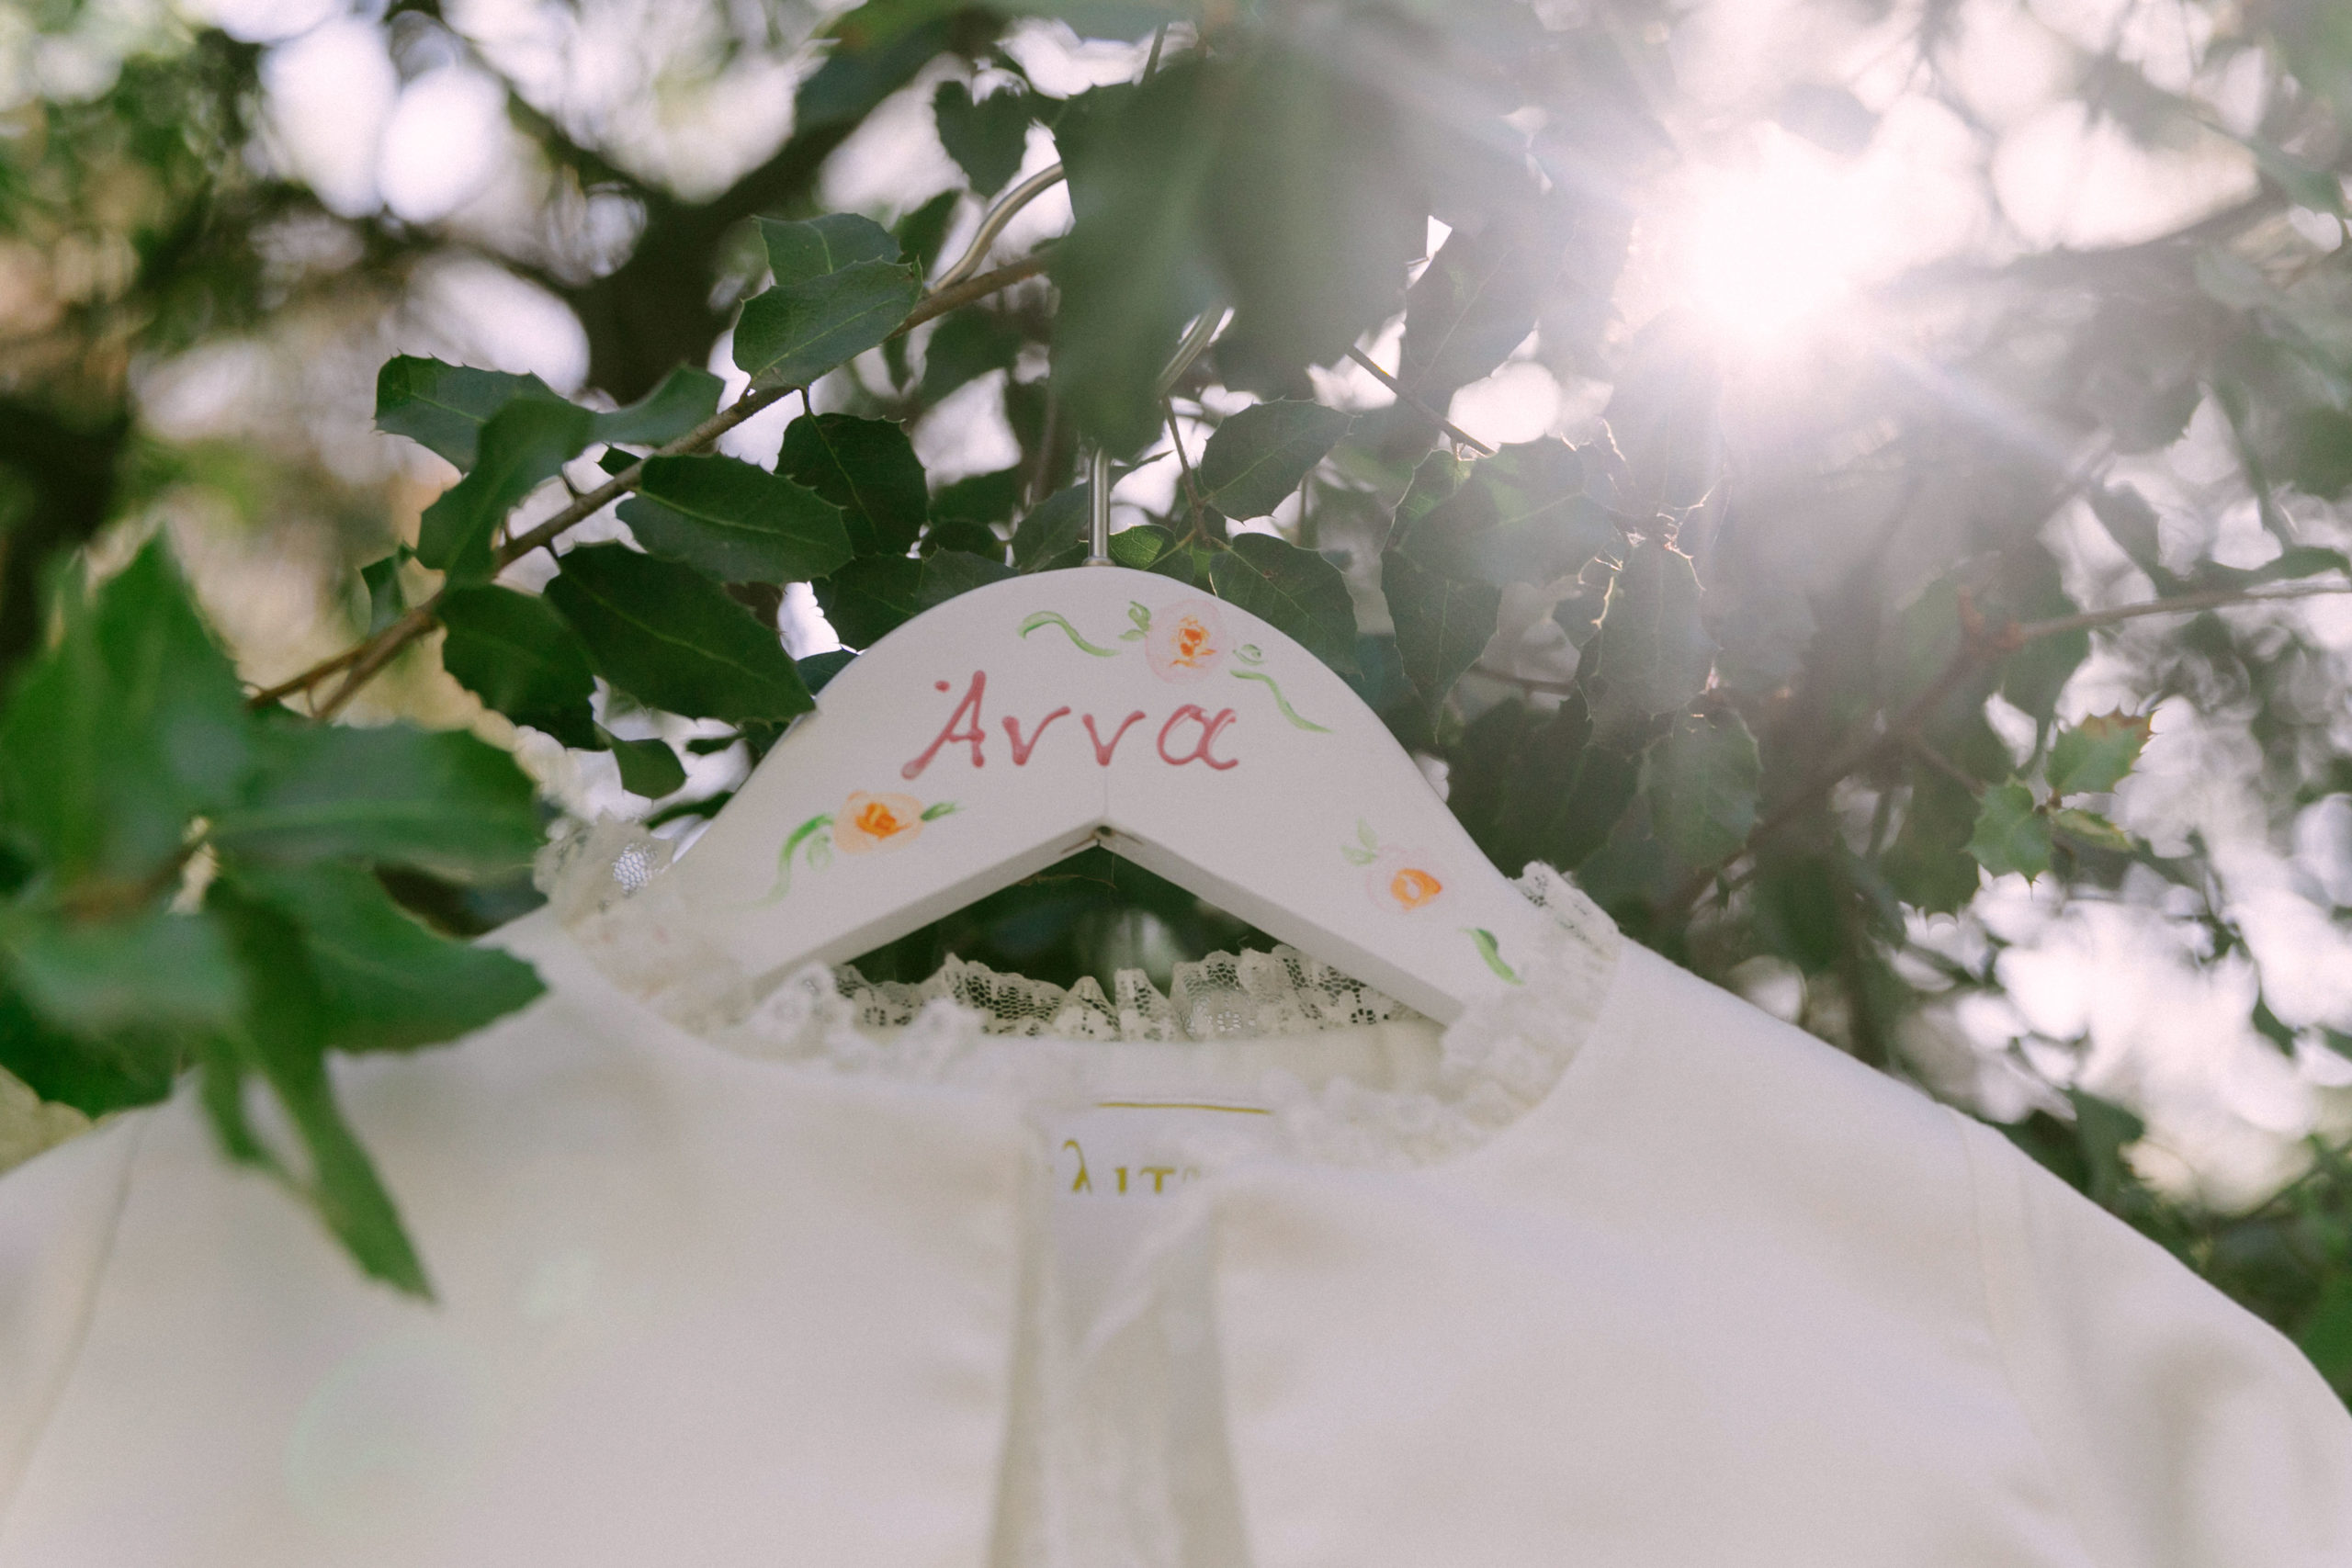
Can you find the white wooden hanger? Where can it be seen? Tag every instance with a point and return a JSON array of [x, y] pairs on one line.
[[1016, 724], [1020, 723]]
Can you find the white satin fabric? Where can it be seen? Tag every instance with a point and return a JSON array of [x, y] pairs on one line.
[[1700, 1290]]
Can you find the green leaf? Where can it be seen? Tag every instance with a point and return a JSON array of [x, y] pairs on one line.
[[958, 534], [524, 446], [1140, 548], [443, 407], [921, 235], [1053, 532], [1928, 864], [1435, 480], [1296, 591], [2093, 757], [983, 497], [2011, 835], [686, 397], [387, 602], [986, 138], [131, 723], [866, 466], [388, 982], [1518, 516], [2131, 521], [648, 767], [156, 971], [284, 1038], [1701, 783], [738, 522], [92, 1075], [1257, 458], [1442, 625], [795, 333], [440, 800], [671, 638], [2327, 1334], [872, 597], [1533, 786], [1473, 304], [821, 246], [2318, 452], [969, 344], [1653, 654], [2089, 829], [516, 654]]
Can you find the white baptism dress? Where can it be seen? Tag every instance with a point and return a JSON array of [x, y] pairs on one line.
[[1268, 1272]]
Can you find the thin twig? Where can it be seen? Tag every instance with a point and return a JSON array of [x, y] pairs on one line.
[[1418, 407], [957, 296], [1976, 651], [1525, 683], [1184, 464], [306, 680]]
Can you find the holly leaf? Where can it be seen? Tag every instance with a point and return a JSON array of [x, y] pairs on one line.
[[738, 522], [987, 139], [2093, 757], [1297, 592], [1653, 653], [2091, 829], [874, 595], [388, 983], [983, 497], [1533, 786], [155, 971], [1928, 864], [969, 344], [1518, 516], [2011, 835], [444, 407], [387, 602], [1702, 780], [522, 447], [686, 397], [1257, 458], [1473, 304], [671, 638], [840, 289], [648, 767], [516, 654], [921, 235], [1442, 625], [440, 800], [866, 466]]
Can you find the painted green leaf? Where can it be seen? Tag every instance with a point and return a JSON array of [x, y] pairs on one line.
[[2011, 835], [1928, 864], [1442, 625], [648, 767], [866, 466], [872, 597], [441, 800], [671, 638], [739, 522], [443, 407], [1257, 458], [1702, 780], [516, 654], [388, 983], [815, 247], [986, 138], [1296, 591], [796, 331], [2093, 757], [686, 397], [523, 446], [1653, 653]]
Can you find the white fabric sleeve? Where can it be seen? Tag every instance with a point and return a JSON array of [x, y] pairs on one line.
[[57, 1221], [2184, 1431]]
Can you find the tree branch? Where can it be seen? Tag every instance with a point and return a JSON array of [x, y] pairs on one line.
[[1418, 407], [954, 297]]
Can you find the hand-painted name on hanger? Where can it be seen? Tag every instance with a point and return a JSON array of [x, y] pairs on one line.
[[1188, 734]]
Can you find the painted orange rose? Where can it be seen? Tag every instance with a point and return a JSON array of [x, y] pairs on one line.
[[1186, 641], [875, 821], [1406, 880]]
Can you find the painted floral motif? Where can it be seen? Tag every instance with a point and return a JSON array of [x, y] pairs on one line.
[[1183, 643], [1186, 641], [863, 824], [1403, 880]]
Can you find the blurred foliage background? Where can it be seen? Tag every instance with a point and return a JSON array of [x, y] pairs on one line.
[[1859, 484]]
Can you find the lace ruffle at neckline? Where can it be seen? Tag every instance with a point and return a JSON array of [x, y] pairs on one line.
[[973, 1027]]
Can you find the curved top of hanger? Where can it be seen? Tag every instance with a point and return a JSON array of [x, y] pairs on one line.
[[1019, 723]]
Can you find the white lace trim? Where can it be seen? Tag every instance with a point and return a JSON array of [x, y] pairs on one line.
[[1497, 1060]]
